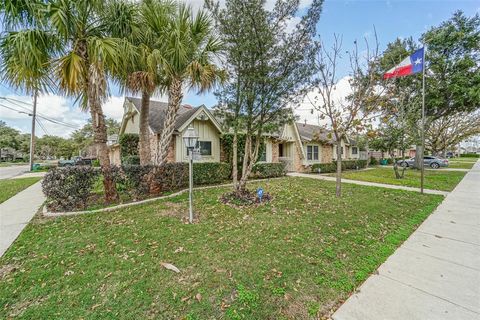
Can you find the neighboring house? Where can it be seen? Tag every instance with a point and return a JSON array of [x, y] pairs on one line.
[[297, 145]]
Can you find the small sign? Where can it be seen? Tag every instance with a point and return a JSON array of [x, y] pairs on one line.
[[260, 194]]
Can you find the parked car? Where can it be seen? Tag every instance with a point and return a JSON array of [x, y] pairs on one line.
[[431, 161], [77, 161]]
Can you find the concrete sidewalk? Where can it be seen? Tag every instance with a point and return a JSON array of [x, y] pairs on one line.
[[435, 274], [365, 183], [16, 213]]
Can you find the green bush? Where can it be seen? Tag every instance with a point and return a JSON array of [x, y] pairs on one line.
[[128, 144], [69, 188], [470, 155], [324, 167], [373, 161], [96, 163], [268, 170], [332, 167], [131, 160], [211, 172]]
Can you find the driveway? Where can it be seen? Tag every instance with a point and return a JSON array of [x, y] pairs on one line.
[[12, 171]]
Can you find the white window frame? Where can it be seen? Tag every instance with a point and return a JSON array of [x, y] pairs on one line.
[[313, 152]]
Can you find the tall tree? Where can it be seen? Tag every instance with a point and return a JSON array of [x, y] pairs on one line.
[[88, 54], [448, 131], [268, 67], [354, 109], [136, 22], [189, 52]]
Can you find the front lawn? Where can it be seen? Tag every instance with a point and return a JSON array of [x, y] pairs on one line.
[[297, 257], [434, 179], [10, 187], [460, 164]]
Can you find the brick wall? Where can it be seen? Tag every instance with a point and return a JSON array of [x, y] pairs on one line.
[[326, 153], [171, 151], [274, 151]]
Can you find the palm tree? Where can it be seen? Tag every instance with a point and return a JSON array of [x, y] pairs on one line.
[[88, 54], [143, 76], [26, 50], [187, 52]]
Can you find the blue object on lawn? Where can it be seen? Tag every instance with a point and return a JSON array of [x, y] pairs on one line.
[[36, 166], [260, 194]]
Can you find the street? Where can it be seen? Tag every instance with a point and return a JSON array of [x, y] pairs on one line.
[[12, 171]]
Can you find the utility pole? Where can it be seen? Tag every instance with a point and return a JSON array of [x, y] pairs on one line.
[[32, 136]]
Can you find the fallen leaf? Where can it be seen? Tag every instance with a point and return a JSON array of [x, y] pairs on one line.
[[198, 297], [179, 250], [170, 266]]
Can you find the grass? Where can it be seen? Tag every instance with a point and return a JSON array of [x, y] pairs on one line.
[[297, 257], [460, 164], [464, 159], [434, 179], [10, 187]]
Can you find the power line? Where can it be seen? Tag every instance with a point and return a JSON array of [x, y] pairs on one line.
[[39, 114], [45, 118]]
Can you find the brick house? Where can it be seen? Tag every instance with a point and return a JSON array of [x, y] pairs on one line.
[[297, 145]]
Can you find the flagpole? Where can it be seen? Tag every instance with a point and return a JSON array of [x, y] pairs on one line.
[[422, 165]]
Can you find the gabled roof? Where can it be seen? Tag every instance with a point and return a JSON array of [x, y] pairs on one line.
[[311, 132], [158, 111]]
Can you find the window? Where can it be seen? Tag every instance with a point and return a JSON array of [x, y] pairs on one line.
[[280, 150], [205, 147], [354, 150], [312, 152], [341, 151]]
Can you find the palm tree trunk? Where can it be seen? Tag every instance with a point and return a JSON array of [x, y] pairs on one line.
[[175, 97], [94, 93], [144, 138]]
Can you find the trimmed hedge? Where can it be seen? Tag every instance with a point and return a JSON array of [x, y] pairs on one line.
[[210, 172], [332, 167], [268, 170], [469, 155], [69, 188]]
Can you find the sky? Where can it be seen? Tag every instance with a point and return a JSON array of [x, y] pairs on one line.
[[352, 19]]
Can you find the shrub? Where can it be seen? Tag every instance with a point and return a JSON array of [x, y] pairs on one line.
[[324, 167], [133, 179], [373, 161], [69, 188], [171, 176], [131, 160], [96, 163], [332, 167], [128, 144], [268, 170], [470, 155], [210, 172]]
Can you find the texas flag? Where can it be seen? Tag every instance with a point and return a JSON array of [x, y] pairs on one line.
[[410, 65]]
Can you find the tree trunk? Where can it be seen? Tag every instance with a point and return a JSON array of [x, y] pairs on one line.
[[338, 188], [175, 97], [242, 184], [418, 156], [395, 166], [235, 160], [144, 138], [100, 132]]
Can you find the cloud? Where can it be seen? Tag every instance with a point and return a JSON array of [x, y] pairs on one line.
[[56, 108], [305, 110]]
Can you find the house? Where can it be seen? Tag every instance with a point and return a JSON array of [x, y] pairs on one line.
[[205, 124], [297, 145]]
